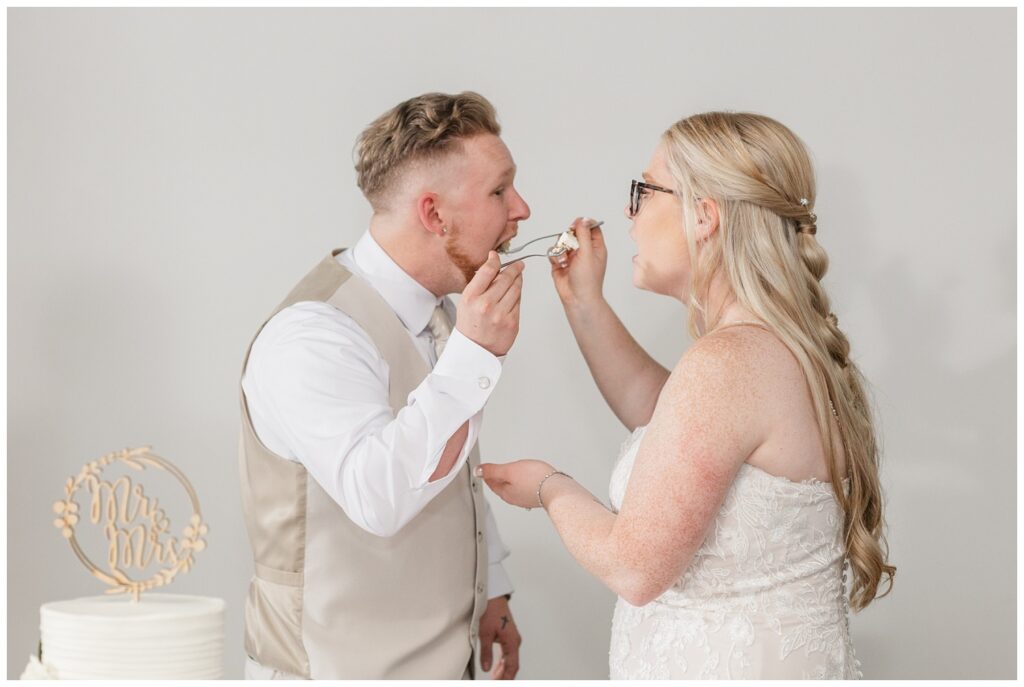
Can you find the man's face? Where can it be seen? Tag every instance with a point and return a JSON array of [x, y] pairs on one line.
[[484, 208]]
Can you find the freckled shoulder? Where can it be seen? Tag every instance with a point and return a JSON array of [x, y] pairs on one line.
[[747, 348], [705, 417], [722, 369], [736, 352]]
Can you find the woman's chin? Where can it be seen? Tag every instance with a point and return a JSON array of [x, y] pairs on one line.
[[638, 277], [641, 281]]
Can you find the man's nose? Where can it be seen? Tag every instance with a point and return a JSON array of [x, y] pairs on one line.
[[521, 211]]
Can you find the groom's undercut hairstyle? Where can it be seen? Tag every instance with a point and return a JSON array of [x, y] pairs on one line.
[[425, 128]]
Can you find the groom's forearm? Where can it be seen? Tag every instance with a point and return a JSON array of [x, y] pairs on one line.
[[452, 451], [627, 376], [586, 527]]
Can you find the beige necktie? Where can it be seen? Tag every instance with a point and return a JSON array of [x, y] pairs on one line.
[[441, 328]]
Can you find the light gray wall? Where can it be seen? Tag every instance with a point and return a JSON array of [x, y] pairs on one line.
[[172, 173]]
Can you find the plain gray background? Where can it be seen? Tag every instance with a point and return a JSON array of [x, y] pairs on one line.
[[173, 172]]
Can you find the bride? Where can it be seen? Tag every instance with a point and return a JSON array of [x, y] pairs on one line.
[[750, 483]]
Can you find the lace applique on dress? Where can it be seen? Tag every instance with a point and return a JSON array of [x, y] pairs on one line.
[[763, 597]]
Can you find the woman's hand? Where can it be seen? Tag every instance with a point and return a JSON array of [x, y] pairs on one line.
[[516, 483], [579, 274]]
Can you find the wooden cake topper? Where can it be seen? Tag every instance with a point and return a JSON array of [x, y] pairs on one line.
[[136, 528]]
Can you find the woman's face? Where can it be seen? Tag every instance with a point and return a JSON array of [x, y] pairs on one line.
[[662, 262]]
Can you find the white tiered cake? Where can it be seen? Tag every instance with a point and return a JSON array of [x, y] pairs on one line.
[[162, 636]]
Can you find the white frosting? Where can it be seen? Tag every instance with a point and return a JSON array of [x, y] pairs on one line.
[[37, 671], [568, 240], [163, 636]]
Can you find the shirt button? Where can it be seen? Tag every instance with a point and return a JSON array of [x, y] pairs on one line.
[[479, 589], [479, 536], [484, 382], [475, 485]]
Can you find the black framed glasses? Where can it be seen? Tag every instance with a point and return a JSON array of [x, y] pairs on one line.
[[637, 190]]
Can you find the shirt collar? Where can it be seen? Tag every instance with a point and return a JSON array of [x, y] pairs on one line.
[[412, 302]]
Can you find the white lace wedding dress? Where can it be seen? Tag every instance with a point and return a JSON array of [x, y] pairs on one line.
[[763, 597]]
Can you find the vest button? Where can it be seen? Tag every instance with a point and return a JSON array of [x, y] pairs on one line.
[[479, 536], [475, 485], [479, 589]]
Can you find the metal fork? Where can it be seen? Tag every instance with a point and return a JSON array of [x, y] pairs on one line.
[[510, 251], [537, 255]]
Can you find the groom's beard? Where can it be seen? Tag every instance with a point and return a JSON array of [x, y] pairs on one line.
[[465, 264]]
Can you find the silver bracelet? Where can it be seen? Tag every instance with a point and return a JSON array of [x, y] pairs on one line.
[[546, 477]]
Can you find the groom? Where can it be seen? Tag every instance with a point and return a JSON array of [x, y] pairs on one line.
[[376, 555]]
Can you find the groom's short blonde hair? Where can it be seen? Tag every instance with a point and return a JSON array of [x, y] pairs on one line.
[[426, 127]]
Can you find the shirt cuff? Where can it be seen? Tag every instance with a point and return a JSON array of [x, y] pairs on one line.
[[465, 359], [498, 583]]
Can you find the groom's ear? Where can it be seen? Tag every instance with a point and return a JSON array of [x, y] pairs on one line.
[[428, 214]]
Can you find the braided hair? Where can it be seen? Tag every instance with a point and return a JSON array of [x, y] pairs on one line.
[[760, 175]]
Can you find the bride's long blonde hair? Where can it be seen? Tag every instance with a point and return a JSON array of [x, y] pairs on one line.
[[760, 175]]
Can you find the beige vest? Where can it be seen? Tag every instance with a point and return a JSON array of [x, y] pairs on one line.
[[330, 600]]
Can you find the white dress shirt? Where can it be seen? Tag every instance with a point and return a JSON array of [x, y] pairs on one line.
[[317, 392]]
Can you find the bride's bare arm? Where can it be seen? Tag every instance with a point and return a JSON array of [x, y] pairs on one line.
[[701, 432], [627, 376]]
